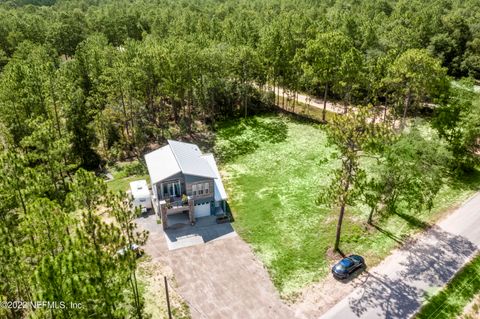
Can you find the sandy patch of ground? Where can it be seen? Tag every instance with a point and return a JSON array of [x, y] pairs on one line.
[[151, 276], [472, 310], [316, 299]]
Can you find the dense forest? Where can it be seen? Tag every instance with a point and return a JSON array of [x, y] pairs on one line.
[[85, 83]]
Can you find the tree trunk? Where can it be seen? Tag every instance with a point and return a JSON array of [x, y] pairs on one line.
[[324, 112], [245, 102], [277, 95], [136, 294], [385, 110], [339, 227], [343, 204], [405, 109], [294, 100], [125, 118], [370, 216]]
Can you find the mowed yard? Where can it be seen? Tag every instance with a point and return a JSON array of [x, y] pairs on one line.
[[274, 167]]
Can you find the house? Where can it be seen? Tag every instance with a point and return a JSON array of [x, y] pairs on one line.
[[185, 180], [140, 195]]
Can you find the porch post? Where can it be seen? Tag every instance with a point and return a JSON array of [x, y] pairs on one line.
[[191, 213], [163, 212]]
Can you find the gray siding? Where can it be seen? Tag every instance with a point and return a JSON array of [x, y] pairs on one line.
[[186, 184], [189, 180], [178, 176]]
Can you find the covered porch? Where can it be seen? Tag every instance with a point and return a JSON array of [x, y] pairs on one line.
[[174, 206]]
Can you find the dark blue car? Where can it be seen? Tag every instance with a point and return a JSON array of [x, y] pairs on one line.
[[347, 266]]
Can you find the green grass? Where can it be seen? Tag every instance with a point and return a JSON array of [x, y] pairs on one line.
[[123, 184], [124, 173], [310, 111], [450, 301], [273, 187]]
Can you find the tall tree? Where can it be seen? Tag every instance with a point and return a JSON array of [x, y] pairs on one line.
[[416, 77], [322, 61], [457, 120], [409, 174], [352, 134]]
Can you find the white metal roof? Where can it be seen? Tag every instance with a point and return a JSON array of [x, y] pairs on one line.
[[178, 157], [220, 193], [139, 189], [190, 160], [161, 164]]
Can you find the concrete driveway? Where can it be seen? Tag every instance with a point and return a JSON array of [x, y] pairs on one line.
[[218, 279], [398, 286], [182, 235]]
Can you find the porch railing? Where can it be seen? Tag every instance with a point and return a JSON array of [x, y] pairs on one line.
[[176, 204]]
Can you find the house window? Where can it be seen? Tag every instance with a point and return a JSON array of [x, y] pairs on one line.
[[171, 189], [206, 187], [200, 189]]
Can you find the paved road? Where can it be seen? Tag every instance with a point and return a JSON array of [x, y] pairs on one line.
[[396, 288]]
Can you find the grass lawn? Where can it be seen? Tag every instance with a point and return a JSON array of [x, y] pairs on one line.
[[310, 111], [124, 173], [273, 181], [451, 301]]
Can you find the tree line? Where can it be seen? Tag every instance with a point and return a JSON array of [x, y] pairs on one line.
[[115, 76], [84, 83]]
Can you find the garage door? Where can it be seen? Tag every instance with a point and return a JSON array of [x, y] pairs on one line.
[[202, 210]]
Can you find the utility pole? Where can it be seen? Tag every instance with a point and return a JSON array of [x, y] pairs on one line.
[[168, 298]]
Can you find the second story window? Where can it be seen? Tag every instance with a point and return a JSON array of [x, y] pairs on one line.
[[206, 188], [200, 189]]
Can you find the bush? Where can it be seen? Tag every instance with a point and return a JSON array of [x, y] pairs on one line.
[[134, 168], [130, 169]]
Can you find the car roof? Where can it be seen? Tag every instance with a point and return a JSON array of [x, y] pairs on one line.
[[346, 262]]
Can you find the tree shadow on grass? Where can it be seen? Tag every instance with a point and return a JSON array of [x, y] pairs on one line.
[[389, 234], [413, 221], [244, 136], [468, 180], [272, 129], [300, 117]]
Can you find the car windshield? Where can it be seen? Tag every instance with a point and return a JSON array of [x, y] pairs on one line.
[[346, 262], [355, 257]]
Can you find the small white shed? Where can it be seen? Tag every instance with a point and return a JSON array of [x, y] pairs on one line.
[[141, 196]]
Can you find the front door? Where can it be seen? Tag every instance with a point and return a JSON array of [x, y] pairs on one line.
[[171, 189]]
